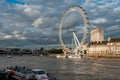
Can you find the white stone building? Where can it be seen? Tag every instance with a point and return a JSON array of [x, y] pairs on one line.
[[114, 46], [99, 46], [97, 34]]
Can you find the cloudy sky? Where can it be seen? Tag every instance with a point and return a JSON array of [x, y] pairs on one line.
[[34, 23]]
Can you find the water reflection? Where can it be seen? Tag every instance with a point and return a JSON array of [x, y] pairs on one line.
[[69, 69]]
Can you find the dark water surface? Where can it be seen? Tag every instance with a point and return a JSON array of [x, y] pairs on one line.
[[68, 69]]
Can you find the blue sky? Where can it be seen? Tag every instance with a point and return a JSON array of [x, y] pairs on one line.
[[34, 23], [16, 1]]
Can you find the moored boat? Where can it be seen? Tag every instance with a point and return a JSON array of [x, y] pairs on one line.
[[74, 56]]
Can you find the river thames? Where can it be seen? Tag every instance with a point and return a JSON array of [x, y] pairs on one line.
[[68, 69]]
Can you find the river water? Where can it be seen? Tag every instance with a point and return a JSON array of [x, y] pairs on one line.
[[68, 69]]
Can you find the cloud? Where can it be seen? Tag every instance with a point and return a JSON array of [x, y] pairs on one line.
[[19, 35], [112, 30], [37, 22], [30, 10], [115, 27], [4, 36], [117, 9], [72, 20], [87, 3], [98, 21], [7, 37], [15, 35]]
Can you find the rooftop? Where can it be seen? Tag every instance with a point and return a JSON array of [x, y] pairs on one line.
[[114, 40]]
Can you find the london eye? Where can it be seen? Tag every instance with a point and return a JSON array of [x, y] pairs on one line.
[[78, 44]]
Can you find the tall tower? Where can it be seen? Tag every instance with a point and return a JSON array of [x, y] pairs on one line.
[[97, 34]]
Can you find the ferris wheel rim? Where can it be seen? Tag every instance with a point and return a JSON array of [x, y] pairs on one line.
[[85, 20]]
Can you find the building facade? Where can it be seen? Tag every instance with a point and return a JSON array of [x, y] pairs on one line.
[[99, 46], [114, 46], [97, 34]]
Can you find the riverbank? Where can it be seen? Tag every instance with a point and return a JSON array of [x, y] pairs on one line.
[[92, 56], [102, 56]]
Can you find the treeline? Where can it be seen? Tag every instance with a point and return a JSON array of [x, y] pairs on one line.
[[55, 51], [20, 51]]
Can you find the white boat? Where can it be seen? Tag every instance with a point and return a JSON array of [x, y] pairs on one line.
[[9, 56], [61, 56], [74, 56], [40, 74]]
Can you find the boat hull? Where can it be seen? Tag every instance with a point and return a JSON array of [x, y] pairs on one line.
[[73, 56]]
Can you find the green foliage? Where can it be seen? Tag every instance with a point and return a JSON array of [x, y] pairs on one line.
[[55, 51]]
